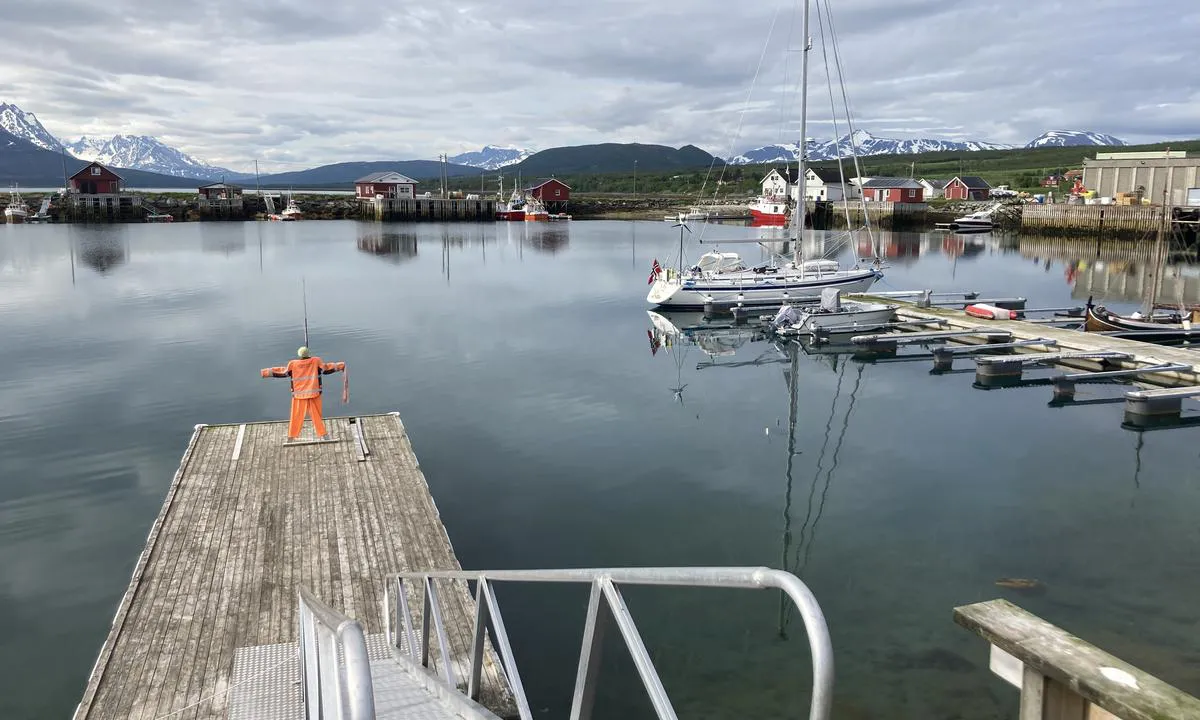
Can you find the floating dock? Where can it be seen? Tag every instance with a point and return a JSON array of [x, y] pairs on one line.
[[247, 520]]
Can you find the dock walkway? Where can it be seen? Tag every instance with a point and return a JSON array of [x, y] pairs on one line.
[[1066, 340], [246, 521]]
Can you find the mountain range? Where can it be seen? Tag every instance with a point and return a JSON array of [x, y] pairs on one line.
[[162, 165], [867, 144]]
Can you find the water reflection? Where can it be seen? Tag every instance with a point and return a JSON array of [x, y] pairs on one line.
[[103, 252], [548, 237], [721, 341], [1118, 271], [395, 247], [217, 239]]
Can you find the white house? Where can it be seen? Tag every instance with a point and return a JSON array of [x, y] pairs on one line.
[[779, 183], [934, 188], [826, 184]]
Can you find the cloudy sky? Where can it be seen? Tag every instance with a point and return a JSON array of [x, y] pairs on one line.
[[304, 82]]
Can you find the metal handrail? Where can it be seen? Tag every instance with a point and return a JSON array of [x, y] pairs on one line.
[[333, 689], [605, 604]]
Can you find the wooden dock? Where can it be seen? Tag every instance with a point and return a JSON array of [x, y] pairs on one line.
[[1066, 340], [1092, 220], [246, 521], [436, 209]]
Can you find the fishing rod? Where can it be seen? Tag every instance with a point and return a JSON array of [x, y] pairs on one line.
[[304, 297]]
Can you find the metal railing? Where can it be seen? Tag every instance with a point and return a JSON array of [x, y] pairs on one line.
[[605, 606], [334, 687]]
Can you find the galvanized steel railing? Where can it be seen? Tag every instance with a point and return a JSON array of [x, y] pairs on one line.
[[604, 606], [334, 687]]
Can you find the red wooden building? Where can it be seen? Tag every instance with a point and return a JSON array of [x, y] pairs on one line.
[[390, 184], [553, 193], [893, 189], [95, 179], [968, 187], [220, 191]]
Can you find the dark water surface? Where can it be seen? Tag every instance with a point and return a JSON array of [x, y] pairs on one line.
[[552, 436]]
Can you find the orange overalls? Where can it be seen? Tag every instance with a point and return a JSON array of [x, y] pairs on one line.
[[306, 390]]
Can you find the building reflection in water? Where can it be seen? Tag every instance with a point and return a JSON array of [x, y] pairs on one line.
[[215, 237], [394, 246], [547, 237], [1115, 270], [102, 252]]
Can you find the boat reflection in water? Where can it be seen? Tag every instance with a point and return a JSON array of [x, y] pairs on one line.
[[721, 341]]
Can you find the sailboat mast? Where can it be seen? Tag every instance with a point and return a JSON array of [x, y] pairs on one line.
[[798, 215], [1160, 258]]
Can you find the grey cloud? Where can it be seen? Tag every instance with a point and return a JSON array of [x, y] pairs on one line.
[[310, 82]]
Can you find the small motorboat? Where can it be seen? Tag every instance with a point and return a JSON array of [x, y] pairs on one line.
[[975, 222], [833, 315]]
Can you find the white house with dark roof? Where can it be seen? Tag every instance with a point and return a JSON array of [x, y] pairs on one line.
[[779, 183], [934, 188], [388, 184], [826, 184]]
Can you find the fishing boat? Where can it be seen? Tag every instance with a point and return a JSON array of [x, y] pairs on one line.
[[514, 209], [16, 212], [292, 211], [833, 315], [769, 211], [535, 211]]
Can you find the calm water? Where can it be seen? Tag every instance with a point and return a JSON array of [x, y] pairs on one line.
[[553, 436]]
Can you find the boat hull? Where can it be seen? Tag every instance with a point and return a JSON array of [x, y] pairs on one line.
[[14, 218], [1099, 319], [851, 321], [762, 217], [695, 294]]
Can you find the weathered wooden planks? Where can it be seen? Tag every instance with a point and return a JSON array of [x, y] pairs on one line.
[[1076, 673], [246, 521]]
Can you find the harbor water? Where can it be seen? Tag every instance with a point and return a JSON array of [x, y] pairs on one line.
[[556, 429]]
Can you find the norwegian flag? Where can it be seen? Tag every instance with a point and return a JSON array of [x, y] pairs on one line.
[[654, 345], [655, 271]]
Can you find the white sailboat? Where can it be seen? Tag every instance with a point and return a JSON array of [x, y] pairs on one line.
[[723, 277], [16, 212]]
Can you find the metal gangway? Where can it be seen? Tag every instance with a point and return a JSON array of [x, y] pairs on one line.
[[417, 679]]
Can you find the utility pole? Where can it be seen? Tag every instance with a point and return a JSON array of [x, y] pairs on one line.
[[635, 177]]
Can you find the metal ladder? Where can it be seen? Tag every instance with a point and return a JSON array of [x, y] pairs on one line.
[[340, 680]]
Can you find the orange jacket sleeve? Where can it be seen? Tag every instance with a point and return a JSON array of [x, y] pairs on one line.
[[279, 372], [332, 367]]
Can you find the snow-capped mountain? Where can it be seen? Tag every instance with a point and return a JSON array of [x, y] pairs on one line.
[[1071, 138], [26, 126], [491, 157], [142, 152], [865, 144]]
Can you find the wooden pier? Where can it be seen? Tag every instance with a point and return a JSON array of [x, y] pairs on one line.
[[247, 520], [435, 209], [1092, 220], [885, 215]]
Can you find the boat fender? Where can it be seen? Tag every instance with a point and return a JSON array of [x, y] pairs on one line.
[[990, 312]]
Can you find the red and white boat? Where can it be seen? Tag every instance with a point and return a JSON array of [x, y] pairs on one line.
[[514, 209], [535, 211], [769, 211]]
